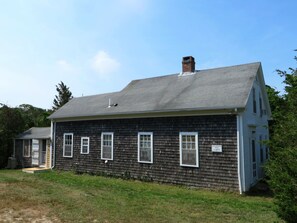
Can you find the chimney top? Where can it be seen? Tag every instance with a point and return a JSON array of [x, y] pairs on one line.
[[188, 64]]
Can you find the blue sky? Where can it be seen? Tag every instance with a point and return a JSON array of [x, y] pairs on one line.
[[100, 46]]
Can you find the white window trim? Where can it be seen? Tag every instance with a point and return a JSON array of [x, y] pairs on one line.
[[196, 145], [81, 145], [138, 145], [71, 145], [107, 133], [29, 147]]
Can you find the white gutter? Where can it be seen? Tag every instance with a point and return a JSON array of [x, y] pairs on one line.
[[51, 144], [53, 135], [242, 154], [239, 133]]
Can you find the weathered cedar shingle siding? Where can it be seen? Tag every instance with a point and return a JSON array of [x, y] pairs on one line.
[[216, 170], [21, 160]]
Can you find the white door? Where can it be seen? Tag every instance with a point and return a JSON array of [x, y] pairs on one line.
[[35, 152], [42, 152]]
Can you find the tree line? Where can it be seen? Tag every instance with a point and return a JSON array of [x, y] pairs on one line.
[[15, 120]]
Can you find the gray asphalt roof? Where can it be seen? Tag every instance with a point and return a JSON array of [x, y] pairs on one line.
[[211, 89], [36, 133]]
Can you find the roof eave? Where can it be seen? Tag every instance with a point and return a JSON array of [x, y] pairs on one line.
[[152, 114], [29, 137]]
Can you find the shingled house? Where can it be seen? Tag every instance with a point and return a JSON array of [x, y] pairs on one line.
[[32, 147], [200, 128]]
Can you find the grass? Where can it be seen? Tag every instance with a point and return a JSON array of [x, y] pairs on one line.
[[67, 197]]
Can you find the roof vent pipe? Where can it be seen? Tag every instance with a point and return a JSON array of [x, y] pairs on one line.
[[111, 105]]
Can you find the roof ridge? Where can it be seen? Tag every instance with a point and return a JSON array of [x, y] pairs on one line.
[[93, 95], [238, 65], [147, 78], [215, 68]]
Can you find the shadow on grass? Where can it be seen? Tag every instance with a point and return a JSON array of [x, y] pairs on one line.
[[261, 189]]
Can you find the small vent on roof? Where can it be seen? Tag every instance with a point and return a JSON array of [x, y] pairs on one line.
[[110, 104]]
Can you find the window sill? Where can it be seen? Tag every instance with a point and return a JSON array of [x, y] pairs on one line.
[[145, 162], [184, 165]]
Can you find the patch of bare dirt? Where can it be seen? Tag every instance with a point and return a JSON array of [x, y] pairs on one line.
[[2, 186], [26, 215], [16, 208]]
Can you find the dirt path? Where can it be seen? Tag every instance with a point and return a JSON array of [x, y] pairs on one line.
[[25, 215], [15, 208]]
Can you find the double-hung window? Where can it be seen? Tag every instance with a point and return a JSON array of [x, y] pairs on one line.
[[188, 144], [254, 101], [26, 148], [68, 145], [260, 105], [145, 147], [261, 149], [84, 145], [107, 145]]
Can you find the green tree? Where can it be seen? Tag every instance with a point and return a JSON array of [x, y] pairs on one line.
[[277, 103], [64, 95], [282, 167], [14, 121], [11, 123], [33, 116]]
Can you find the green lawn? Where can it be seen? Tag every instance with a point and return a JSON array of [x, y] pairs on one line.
[[66, 197]]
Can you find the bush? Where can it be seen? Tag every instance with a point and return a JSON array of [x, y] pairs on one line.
[[282, 171], [282, 167]]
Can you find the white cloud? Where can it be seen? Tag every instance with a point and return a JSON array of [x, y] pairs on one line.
[[65, 66], [104, 64]]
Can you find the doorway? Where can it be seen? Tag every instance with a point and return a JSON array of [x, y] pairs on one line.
[[35, 152], [43, 153]]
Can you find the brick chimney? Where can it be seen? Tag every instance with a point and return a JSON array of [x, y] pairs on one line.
[[188, 64]]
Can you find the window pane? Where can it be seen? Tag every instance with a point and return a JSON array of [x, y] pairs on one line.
[[85, 142], [85, 149], [189, 149], [254, 150], [26, 147], [184, 145], [107, 137], [85, 145], [189, 157], [67, 145], [145, 154], [145, 148], [106, 152], [67, 150], [106, 146], [184, 138]]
